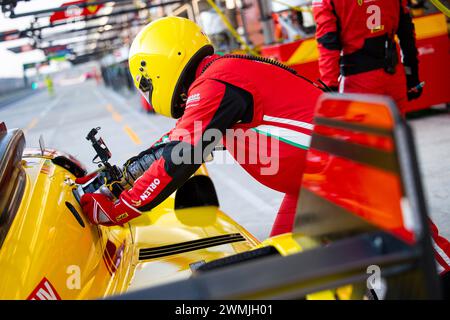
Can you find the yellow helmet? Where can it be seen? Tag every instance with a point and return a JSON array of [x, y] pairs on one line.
[[163, 58]]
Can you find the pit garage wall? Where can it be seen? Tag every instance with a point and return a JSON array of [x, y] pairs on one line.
[[434, 55]]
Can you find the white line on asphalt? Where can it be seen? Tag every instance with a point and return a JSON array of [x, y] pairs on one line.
[[42, 114], [50, 107]]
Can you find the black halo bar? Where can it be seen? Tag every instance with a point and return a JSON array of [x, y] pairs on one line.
[[23, 33], [64, 8]]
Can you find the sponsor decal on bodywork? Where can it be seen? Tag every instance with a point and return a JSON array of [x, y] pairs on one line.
[[113, 255], [44, 291], [47, 167]]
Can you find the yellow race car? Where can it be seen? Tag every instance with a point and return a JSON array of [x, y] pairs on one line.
[[359, 227], [49, 250]]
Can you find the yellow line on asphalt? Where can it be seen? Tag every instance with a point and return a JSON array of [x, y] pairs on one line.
[[133, 136], [31, 125], [116, 116]]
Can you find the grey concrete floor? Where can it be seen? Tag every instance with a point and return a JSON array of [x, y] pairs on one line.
[[432, 136], [65, 119]]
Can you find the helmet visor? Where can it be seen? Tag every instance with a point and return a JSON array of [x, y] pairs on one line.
[[146, 89]]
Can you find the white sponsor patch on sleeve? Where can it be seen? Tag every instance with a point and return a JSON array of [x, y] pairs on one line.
[[193, 100], [150, 189]]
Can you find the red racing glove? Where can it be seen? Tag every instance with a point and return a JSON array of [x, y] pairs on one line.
[[101, 210]]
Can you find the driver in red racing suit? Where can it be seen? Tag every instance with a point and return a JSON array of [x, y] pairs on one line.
[[271, 122], [261, 109], [269, 109]]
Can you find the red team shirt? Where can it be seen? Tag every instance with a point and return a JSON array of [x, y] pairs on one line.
[[344, 27]]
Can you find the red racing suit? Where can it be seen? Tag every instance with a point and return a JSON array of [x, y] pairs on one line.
[[270, 112], [353, 39]]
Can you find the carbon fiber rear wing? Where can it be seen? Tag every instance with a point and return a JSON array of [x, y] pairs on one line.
[[362, 196]]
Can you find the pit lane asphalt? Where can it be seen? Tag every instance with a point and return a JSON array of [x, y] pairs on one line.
[[65, 119]]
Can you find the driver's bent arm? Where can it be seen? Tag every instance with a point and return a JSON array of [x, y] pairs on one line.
[[211, 104]]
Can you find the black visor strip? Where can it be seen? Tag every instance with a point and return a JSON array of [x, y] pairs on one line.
[[352, 126]]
